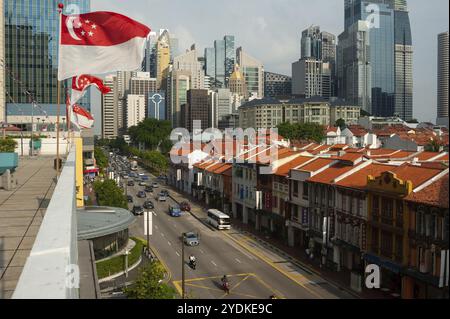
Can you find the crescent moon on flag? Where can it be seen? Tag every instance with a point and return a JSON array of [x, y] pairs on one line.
[[77, 81], [69, 22]]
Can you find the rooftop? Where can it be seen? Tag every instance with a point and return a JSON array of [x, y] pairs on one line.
[[21, 213], [435, 194]]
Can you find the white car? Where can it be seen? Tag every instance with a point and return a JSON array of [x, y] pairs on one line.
[[162, 198]]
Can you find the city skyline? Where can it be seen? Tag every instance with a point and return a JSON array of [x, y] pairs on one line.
[[282, 22]]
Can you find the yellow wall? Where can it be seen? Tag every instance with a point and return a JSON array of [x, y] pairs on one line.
[[79, 172]]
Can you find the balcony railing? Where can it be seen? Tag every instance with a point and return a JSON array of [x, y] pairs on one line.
[[53, 261]]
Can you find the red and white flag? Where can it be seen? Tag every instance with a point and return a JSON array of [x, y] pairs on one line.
[[81, 118], [81, 83], [100, 42]]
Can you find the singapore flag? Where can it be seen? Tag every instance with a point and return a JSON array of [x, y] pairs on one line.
[[100, 42]]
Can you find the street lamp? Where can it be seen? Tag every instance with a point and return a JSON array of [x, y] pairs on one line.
[[183, 293], [37, 128], [127, 252]]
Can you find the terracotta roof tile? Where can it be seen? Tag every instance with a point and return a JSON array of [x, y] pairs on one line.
[[435, 194], [330, 174], [316, 164], [286, 168]]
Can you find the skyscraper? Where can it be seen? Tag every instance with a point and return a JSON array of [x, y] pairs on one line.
[[162, 57], [149, 63], [237, 82], [135, 109], [110, 113], [189, 62], [391, 67], [157, 106], [31, 50], [230, 57], [277, 85], [354, 71], [219, 55], [442, 86], [253, 71], [210, 62], [178, 83], [196, 109]]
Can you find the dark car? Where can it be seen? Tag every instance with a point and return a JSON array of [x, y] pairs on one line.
[[130, 183], [185, 207], [137, 210], [142, 194], [149, 205], [164, 192], [148, 189], [130, 199]]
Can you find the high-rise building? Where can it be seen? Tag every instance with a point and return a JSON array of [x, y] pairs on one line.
[[210, 63], [157, 106], [403, 62], [135, 109], [237, 82], [162, 57], [391, 67], [253, 71], [442, 85], [230, 57], [311, 77], [110, 115], [31, 51], [2, 61], [149, 63], [189, 61], [219, 55], [196, 109], [354, 71], [277, 85], [178, 83]]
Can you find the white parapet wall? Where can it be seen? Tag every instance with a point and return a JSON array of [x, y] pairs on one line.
[[51, 271], [49, 146]]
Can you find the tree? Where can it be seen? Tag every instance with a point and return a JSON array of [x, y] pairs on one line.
[[149, 286], [365, 113], [159, 161], [413, 121], [100, 158], [152, 133], [109, 194], [433, 146], [305, 131], [341, 124], [7, 145]]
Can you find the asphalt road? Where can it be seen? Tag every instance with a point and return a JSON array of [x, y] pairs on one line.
[[250, 276]]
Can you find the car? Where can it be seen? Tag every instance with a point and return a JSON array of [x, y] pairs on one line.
[[143, 184], [191, 239], [142, 194], [130, 199], [137, 210], [130, 183], [149, 205], [185, 207], [144, 178], [175, 211], [148, 189], [155, 185], [165, 192], [162, 198]]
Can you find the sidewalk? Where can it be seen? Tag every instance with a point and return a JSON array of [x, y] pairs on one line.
[[340, 280]]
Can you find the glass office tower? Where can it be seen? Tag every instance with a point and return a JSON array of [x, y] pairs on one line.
[[230, 57], [31, 51], [219, 46], [390, 53]]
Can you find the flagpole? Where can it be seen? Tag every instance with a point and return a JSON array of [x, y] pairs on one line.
[[58, 92]]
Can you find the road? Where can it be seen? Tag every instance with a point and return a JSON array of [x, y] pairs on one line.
[[251, 274]]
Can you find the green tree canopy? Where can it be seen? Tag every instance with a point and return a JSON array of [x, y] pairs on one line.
[[7, 145], [148, 285], [109, 194], [100, 157], [305, 131], [433, 146], [341, 124], [152, 133]]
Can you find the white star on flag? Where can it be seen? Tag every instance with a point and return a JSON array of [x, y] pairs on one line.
[[87, 21], [91, 33], [94, 26]]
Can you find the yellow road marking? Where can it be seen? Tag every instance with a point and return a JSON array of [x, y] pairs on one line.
[[273, 265]]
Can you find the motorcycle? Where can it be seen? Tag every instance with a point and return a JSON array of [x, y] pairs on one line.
[[193, 264]]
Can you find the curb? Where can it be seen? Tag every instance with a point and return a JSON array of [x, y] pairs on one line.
[[119, 274]]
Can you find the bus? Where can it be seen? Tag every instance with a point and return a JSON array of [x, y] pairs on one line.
[[218, 219]]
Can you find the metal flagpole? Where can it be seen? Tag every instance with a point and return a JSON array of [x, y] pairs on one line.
[[58, 92]]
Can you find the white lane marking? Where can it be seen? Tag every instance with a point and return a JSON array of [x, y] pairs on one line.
[[177, 253], [170, 244], [156, 227], [212, 262], [238, 261], [202, 251], [174, 225], [155, 214], [162, 234]]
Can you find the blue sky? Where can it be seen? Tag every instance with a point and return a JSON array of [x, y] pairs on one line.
[[270, 31]]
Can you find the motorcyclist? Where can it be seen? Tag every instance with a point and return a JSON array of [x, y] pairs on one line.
[[225, 283], [192, 260]]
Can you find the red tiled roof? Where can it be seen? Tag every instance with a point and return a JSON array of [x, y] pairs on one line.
[[435, 194], [331, 173], [416, 174], [358, 179], [358, 130], [284, 170], [316, 164]]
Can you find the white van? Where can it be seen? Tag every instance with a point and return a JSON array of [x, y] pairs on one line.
[[218, 219]]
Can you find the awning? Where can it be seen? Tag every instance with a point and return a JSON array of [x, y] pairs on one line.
[[91, 171]]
